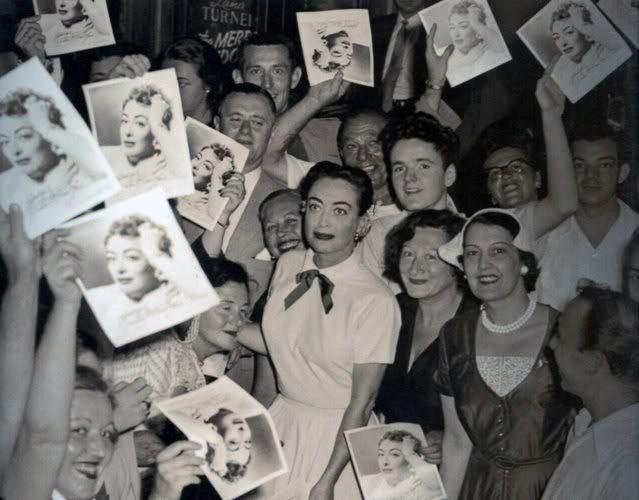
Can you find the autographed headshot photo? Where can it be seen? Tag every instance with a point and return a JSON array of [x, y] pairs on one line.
[[583, 46], [141, 276], [469, 25], [140, 127], [236, 435], [389, 465], [214, 158], [74, 25], [337, 41], [46, 163]]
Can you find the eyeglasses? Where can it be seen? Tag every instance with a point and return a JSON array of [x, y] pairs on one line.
[[513, 167]]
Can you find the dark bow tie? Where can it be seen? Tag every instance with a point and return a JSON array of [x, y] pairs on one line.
[[305, 280]]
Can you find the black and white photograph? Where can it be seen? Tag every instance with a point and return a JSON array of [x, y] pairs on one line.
[[236, 434], [579, 41], [337, 40], [470, 26], [388, 463], [214, 158], [50, 164], [141, 275], [139, 125], [625, 16], [74, 25]]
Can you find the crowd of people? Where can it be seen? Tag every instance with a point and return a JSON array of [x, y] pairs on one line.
[[352, 290]]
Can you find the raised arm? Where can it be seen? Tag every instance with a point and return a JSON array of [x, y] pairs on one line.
[[234, 191], [456, 448], [431, 100], [43, 436], [18, 316], [561, 201], [291, 122], [367, 378]]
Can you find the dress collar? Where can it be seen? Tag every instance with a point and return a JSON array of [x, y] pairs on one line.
[[348, 266]]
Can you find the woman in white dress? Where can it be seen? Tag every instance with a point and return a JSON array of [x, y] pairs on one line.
[[331, 328], [404, 473]]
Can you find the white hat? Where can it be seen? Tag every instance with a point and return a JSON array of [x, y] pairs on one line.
[[451, 251]]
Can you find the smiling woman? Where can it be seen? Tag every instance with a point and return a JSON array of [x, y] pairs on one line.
[[497, 389]]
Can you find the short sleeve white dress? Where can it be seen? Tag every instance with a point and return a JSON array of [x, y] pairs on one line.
[[314, 352]]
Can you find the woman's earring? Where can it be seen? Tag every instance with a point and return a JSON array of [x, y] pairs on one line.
[[303, 207], [524, 270], [357, 237]]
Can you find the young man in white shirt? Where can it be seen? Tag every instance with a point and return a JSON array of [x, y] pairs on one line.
[[596, 348], [588, 246]]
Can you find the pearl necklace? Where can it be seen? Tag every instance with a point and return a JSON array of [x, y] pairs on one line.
[[511, 327]]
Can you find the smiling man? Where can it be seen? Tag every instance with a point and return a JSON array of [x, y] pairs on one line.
[[419, 152], [589, 245], [596, 349], [271, 61], [360, 147]]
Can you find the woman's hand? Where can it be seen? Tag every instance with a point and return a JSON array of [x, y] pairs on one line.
[[432, 453], [234, 191], [549, 96], [177, 467], [38, 113], [130, 66], [29, 37], [409, 446], [150, 240], [132, 406], [437, 66], [62, 265], [20, 254]]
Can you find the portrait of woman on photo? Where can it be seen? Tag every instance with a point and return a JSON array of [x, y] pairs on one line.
[[144, 154], [140, 260], [336, 53], [39, 158], [476, 44], [209, 166], [226, 437], [404, 474], [582, 56], [76, 20]]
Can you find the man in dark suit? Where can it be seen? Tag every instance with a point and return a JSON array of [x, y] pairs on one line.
[[387, 30]]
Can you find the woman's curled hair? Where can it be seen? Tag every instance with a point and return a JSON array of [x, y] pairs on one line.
[[128, 227], [144, 94]]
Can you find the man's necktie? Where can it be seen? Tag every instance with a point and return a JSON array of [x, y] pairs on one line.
[[394, 66], [305, 280]]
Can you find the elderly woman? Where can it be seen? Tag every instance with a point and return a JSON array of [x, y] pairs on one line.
[[433, 293], [40, 157], [201, 76], [505, 419], [404, 475]]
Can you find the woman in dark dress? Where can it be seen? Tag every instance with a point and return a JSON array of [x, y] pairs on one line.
[[433, 293], [505, 418]]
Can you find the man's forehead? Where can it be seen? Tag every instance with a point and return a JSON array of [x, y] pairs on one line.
[[364, 124], [266, 55], [595, 148], [249, 104]]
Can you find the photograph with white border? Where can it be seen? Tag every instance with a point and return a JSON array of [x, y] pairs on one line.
[[50, 164], [470, 26], [214, 157], [335, 40], [388, 463], [236, 434], [625, 15], [139, 124], [74, 25], [141, 276], [581, 43]]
